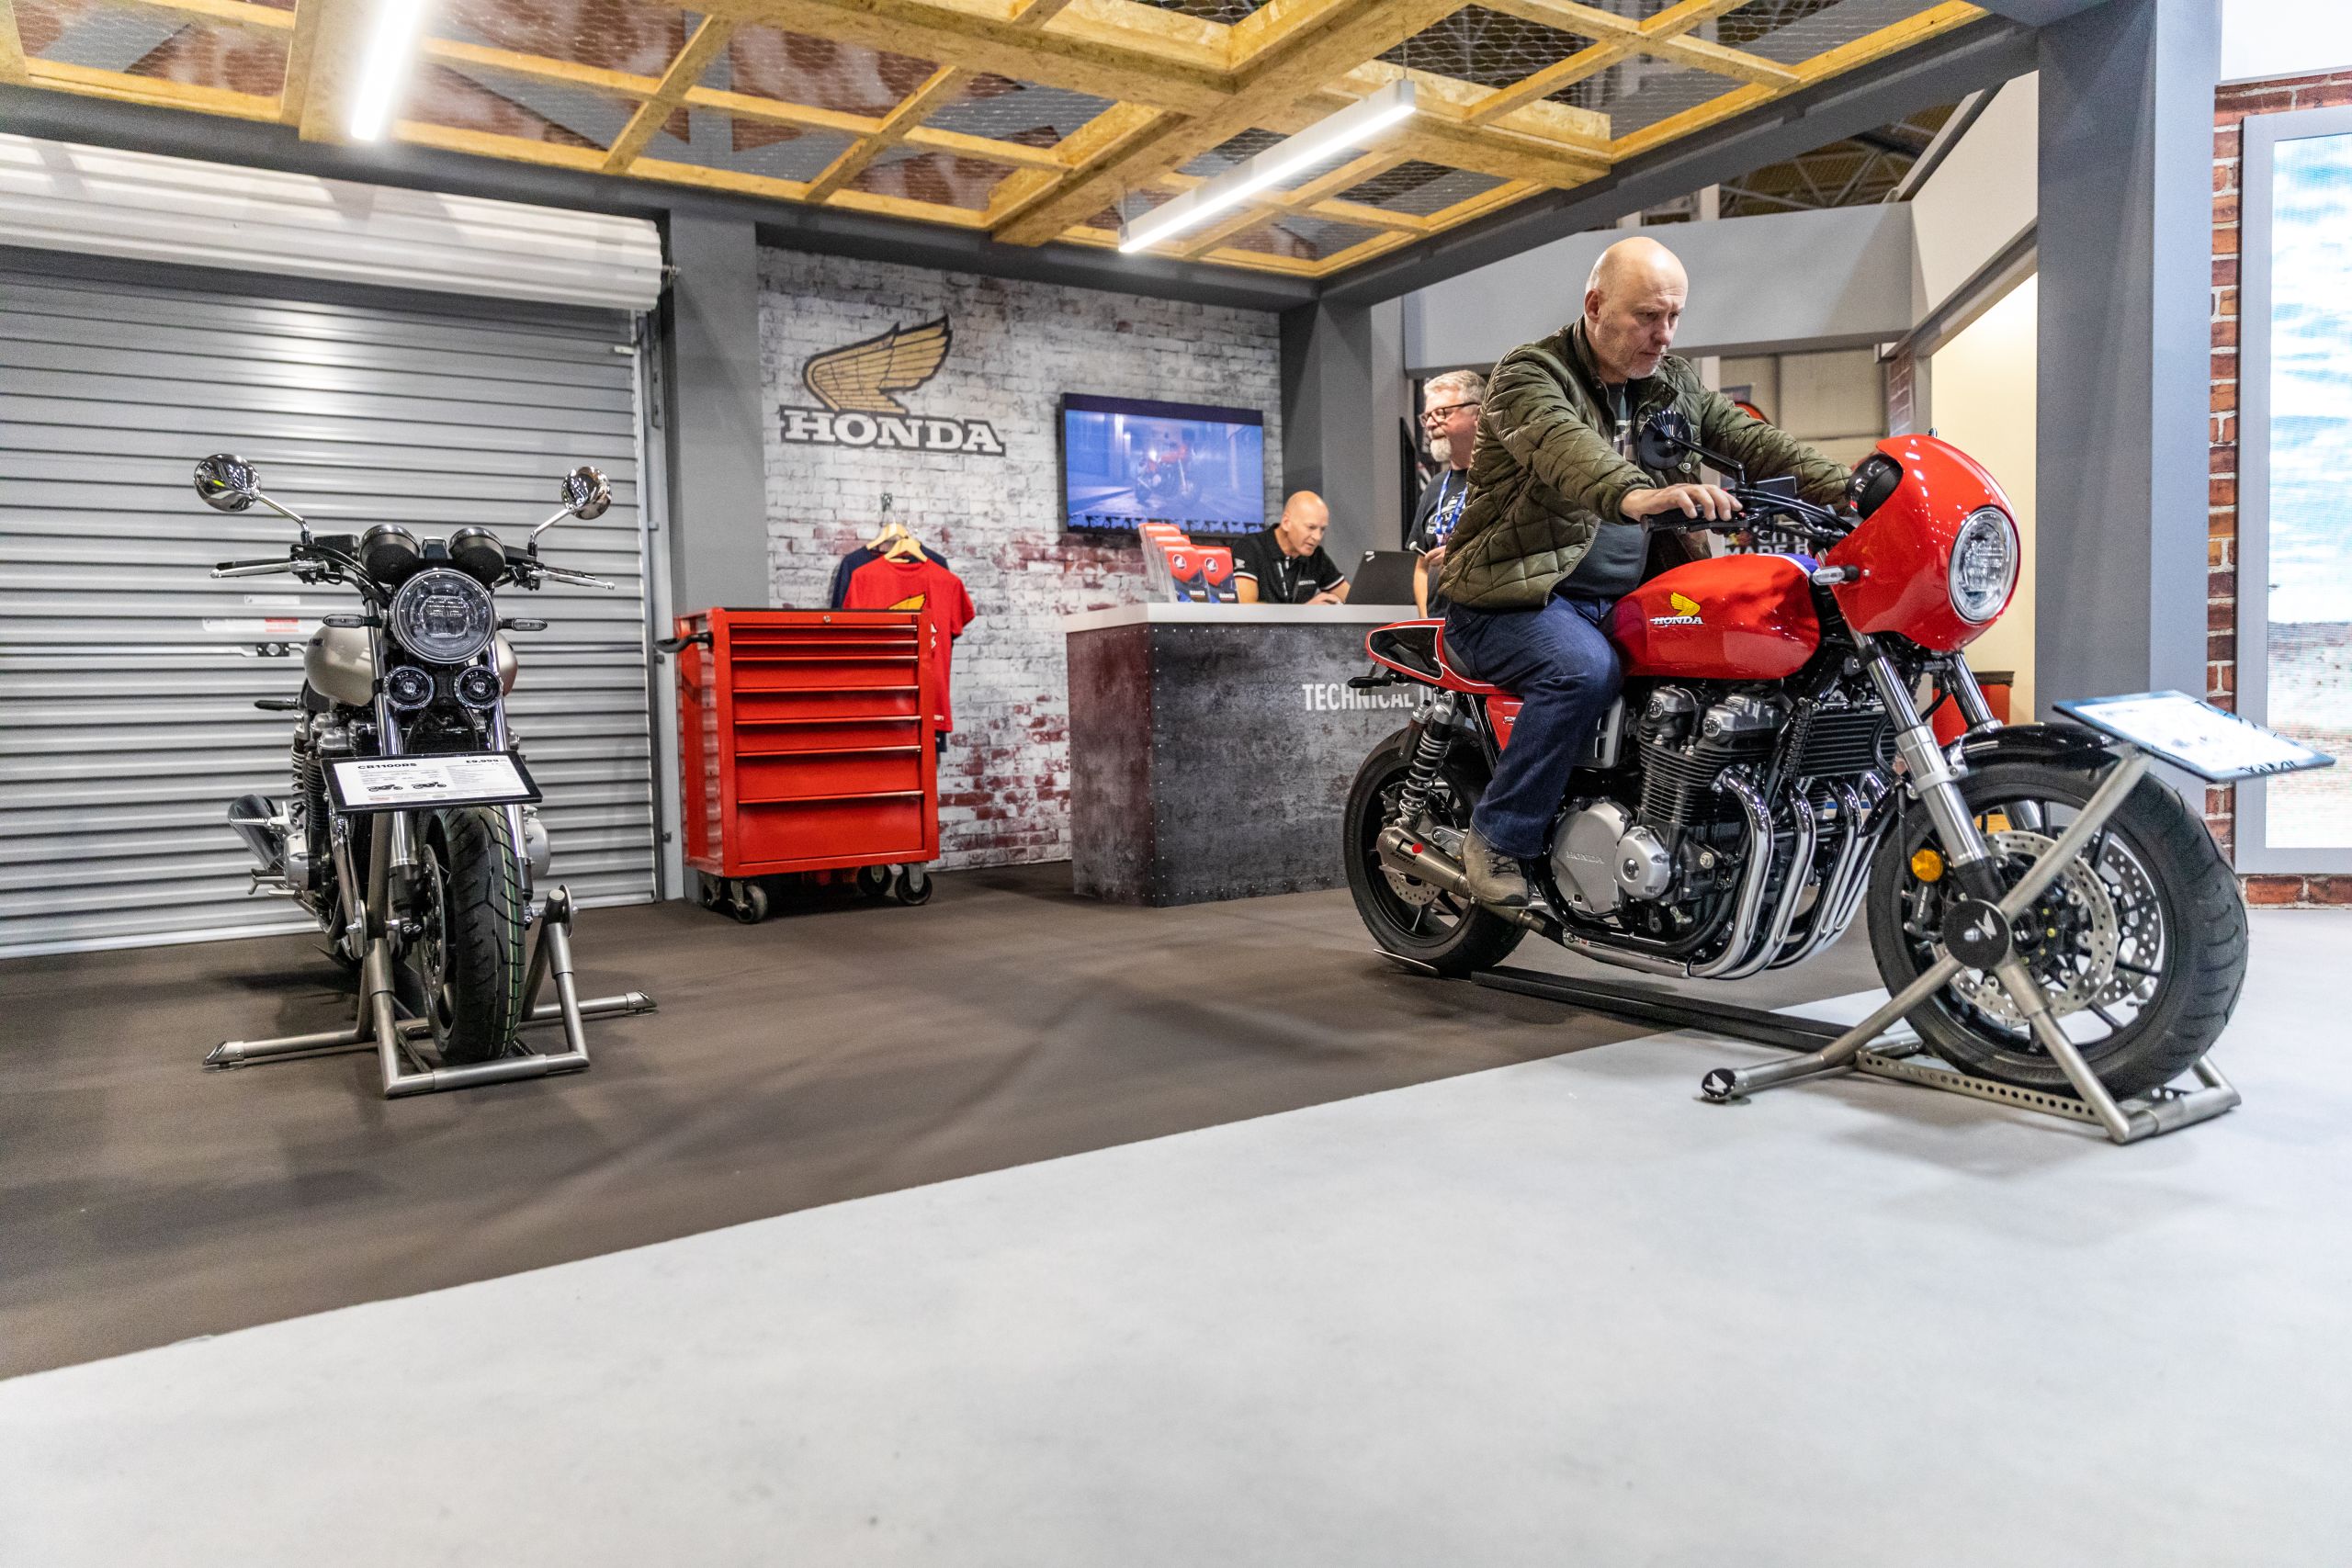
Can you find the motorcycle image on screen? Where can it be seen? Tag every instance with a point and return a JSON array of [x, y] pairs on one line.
[[410, 828], [1767, 775]]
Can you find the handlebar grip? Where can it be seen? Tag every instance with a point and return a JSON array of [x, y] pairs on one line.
[[251, 567]]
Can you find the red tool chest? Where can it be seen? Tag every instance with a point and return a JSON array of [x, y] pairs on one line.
[[805, 742]]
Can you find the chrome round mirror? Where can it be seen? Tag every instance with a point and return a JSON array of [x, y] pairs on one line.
[[226, 482], [585, 493]]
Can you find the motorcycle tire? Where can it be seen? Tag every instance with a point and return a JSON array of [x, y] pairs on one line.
[[2164, 863], [467, 965], [1470, 938]]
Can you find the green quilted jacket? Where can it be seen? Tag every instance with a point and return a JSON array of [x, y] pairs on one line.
[[1546, 472]]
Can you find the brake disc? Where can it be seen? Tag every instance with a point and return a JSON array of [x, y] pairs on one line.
[[2139, 922], [2080, 936]]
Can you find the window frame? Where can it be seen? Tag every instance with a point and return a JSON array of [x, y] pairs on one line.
[[2259, 136]]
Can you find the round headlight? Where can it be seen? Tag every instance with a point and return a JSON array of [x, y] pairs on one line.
[[444, 616], [1984, 565]]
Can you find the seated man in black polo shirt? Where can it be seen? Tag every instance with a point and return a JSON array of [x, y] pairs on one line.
[[1286, 564]]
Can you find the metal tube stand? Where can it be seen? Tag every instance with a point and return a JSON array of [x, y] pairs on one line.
[[2144, 1116], [380, 1028]]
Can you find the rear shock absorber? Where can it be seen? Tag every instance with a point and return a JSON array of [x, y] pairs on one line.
[[1428, 755]]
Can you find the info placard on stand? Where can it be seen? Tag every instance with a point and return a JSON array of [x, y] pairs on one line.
[[429, 783], [2215, 745]]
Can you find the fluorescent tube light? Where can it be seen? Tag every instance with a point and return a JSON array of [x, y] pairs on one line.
[[1357, 126], [385, 66]]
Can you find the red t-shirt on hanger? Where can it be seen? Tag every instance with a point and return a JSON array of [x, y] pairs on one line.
[[946, 606]]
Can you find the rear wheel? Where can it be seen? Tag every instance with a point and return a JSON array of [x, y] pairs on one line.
[[2139, 947], [1407, 915], [466, 966]]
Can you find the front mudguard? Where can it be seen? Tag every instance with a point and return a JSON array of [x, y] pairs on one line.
[[2072, 746]]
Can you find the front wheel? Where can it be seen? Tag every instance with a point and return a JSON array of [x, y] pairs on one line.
[[465, 968], [2140, 946], [1407, 916]]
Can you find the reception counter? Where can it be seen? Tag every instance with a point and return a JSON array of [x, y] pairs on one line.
[[1211, 746]]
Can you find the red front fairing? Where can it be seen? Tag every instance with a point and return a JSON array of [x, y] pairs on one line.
[[1905, 547], [1732, 618]]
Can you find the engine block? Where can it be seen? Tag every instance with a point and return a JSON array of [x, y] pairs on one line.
[[1685, 749]]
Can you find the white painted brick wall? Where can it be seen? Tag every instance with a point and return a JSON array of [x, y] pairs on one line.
[[1004, 784]]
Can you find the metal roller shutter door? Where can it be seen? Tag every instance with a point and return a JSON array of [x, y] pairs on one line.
[[127, 674]]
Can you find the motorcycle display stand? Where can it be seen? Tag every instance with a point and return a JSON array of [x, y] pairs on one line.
[[1867, 1047], [380, 1026]]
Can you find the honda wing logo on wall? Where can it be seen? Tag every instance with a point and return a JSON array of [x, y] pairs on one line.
[[856, 382]]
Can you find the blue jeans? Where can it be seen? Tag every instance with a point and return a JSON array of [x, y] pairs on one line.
[[1558, 663]]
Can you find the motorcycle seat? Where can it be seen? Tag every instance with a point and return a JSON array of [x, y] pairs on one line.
[[1456, 681]]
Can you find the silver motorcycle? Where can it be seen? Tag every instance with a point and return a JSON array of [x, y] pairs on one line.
[[410, 827]]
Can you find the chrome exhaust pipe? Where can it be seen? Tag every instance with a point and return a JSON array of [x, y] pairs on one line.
[[1407, 856], [261, 822]]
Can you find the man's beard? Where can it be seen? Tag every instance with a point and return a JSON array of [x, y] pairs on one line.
[[1442, 451]]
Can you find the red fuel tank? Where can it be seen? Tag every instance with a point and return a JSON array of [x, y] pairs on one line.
[[1732, 618]]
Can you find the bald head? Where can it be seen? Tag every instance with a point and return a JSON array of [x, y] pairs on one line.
[[1633, 302], [1303, 519]]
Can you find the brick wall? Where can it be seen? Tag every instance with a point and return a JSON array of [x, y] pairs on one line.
[[1004, 783], [2231, 107]]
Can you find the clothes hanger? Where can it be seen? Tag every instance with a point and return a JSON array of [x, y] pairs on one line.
[[892, 531]]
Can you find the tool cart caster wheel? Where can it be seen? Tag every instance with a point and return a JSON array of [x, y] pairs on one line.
[[876, 882], [750, 903], [912, 884], [706, 891]]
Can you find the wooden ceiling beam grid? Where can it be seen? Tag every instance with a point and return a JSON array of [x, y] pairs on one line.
[[683, 73], [12, 45], [1895, 37], [1326, 39], [856, 158]]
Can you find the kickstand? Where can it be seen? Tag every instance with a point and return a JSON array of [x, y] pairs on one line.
[[394, 1039]]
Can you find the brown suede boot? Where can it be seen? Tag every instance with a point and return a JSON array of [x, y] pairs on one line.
[[1494, 879]]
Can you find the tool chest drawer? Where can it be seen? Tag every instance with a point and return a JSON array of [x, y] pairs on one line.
[[804, 741]]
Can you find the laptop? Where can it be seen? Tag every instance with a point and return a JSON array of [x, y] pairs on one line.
[[1383, 577]]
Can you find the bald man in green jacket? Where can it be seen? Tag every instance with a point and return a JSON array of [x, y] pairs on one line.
[[1557, 529]]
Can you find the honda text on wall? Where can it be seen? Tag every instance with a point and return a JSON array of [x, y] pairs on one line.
[[855, 383], [1767, 773]]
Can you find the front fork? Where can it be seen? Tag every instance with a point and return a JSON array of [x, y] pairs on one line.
[[1934, 781]]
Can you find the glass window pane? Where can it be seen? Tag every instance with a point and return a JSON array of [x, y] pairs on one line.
[[2310, 644]]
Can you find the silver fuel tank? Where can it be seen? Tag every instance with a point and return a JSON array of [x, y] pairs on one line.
[[339, 667]]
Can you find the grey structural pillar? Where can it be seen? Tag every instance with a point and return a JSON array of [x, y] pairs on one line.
[[718, 417], [1343, 393], [2126, 234]]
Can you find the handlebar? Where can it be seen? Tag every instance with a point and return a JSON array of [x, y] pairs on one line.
[[581, 578], [1763, 509], [251, 567]]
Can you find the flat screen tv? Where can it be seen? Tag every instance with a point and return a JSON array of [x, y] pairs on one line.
[[1126, 462]]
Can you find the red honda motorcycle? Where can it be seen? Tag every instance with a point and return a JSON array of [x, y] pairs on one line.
[[1767, 773]]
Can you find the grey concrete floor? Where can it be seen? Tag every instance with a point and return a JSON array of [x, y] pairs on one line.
[[1554, 1312], [839, 1051]]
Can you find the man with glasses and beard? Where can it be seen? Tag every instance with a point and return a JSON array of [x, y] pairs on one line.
[[1450, 405]]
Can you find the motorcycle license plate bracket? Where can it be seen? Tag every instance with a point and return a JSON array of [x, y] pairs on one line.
[[368, 785]]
